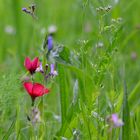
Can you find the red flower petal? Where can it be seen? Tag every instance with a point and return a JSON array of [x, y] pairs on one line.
[[46, 91], [27, 63], [39, 90], [35, 63], [35, 90], [28, 86]]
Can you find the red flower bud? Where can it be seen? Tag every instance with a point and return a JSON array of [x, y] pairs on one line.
[[31, 66]]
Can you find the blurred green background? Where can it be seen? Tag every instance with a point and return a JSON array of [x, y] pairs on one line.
[[21, 35], [26, 35], [76, 21]]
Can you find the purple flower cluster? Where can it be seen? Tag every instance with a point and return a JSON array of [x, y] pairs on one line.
[[52, 72], [114, 121]]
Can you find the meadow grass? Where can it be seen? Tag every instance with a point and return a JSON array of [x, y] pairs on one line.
[[98, 69]]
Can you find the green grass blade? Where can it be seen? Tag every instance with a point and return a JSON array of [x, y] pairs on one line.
[[6, 136], [134, 99], [63, 97], [126, 115]]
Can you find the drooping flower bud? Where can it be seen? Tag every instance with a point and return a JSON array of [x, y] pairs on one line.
[[53, 72], [50, 42]]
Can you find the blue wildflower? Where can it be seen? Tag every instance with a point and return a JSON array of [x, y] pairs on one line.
[[50, 42], [24, 9], [53, 71], [40, 68]]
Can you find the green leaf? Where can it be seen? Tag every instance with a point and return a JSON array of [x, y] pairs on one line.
[[65, 55]]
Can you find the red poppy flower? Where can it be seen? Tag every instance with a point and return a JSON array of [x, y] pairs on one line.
[[31, 66], [35, 89]]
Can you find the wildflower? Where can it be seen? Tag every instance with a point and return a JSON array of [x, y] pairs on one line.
[[40, 68], [50, 42], [53, 71], [24, 9], [52, 29], [103, 10], [114, 121], [35, 90], [35, 115], [30, 10], [31, 66]]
